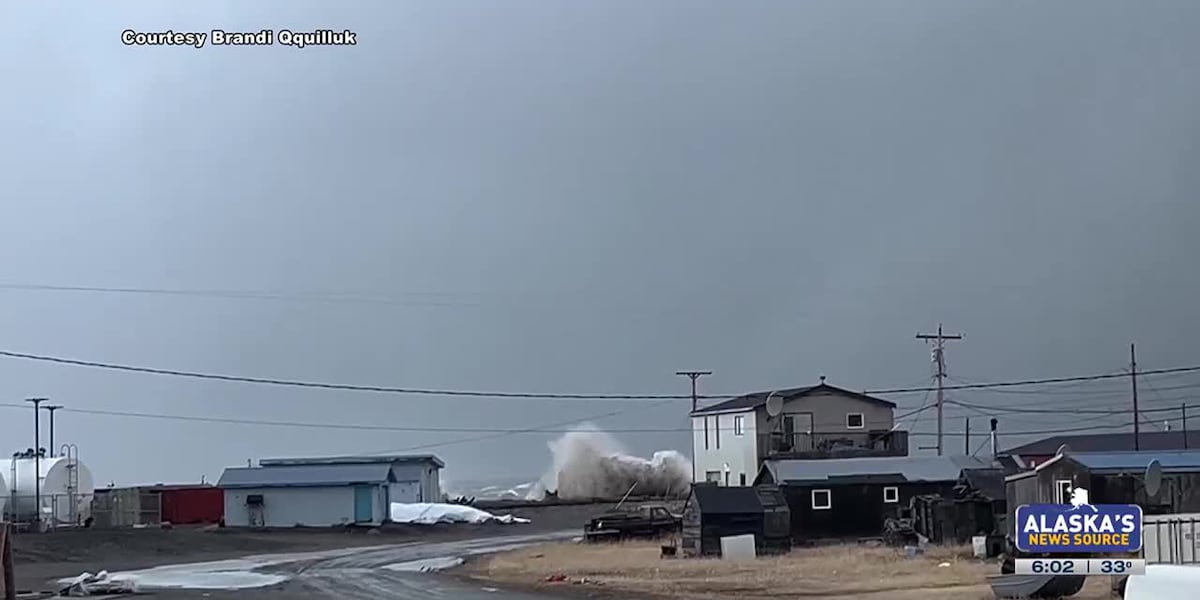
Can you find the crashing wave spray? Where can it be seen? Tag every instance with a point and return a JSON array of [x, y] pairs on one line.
[[589, 463]]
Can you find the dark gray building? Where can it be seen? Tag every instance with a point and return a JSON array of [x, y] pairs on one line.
[[852, 497]]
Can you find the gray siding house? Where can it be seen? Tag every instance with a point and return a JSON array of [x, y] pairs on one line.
[[324, 492], [731, 439]]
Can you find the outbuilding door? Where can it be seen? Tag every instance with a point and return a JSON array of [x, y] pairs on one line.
[[406, 492], [364, 504]]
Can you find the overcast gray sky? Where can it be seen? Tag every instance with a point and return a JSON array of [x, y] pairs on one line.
[[585, 197]]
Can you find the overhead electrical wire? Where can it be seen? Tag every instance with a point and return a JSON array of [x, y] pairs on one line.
[[1044, 381], [534, 395], [550, 428]]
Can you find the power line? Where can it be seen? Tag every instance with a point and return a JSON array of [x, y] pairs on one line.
[[339, 386], [340, 298], [391, 428], [1045, 381], [559, 427], [1005, 409], [558, 396]]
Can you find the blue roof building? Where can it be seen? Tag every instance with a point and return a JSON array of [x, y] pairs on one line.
[[327, 491]]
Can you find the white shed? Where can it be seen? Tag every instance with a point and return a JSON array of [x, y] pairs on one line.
[[322, 492]]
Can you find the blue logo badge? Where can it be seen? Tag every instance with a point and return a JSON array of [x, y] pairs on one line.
[[1079, 527]]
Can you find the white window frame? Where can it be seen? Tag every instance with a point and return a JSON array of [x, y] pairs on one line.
[[862, 421], [828, 500], [739, 425], [712, 477], [895, 495], [1059, 496]]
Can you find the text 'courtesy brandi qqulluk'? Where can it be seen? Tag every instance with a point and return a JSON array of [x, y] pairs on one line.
[[222, 37]]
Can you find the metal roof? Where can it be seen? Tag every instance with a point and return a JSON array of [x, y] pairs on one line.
[[355, 460], [910, 468], [727, 500], [304, 475], [757, 399], [1111, 442], [1136, 462]]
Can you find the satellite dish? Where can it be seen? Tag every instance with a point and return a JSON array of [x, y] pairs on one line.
[[774, 404], [1062, 450], [1153, 478]]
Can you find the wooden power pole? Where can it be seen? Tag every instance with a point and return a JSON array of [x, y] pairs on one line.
[[693, 375], [1137, 428], [939, 358]]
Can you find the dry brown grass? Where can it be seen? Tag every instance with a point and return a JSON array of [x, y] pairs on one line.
[[869, 573]]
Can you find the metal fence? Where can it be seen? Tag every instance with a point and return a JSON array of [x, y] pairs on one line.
[[57, 510], [126, 507], [1171, 539]]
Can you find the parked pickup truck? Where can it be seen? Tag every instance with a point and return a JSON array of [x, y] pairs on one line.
[[648, 521]]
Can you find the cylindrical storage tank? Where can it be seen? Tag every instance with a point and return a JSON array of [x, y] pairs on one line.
[[3, 494], [66, 490]]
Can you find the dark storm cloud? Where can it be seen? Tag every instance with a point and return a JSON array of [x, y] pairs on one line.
[[585, 197]]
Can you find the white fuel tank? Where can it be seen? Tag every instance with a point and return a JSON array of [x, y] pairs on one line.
[[66, 489], [3, 496]]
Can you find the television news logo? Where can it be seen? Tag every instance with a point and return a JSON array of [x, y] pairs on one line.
[[1079, 527]]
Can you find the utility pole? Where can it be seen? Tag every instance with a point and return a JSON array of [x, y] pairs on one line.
[[37, 460], [939, 359], [993, 438], [1137, 429], [967, 438], [693, 375], [1183, 412], [50, 409]]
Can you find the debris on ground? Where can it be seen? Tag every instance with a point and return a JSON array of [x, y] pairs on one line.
[[97, 585]]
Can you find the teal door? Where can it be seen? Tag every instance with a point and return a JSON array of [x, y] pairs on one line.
[[364, 504]]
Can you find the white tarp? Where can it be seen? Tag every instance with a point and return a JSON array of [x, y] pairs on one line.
[[424, 513], [1164, 582]]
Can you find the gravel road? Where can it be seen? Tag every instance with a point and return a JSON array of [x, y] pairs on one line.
[[369, 573]]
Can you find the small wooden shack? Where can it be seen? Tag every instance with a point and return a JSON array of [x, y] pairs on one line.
[[714, 511], [1110, 478], [854, 497]]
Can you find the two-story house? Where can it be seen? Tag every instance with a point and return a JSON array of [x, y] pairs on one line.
[[731, 439]]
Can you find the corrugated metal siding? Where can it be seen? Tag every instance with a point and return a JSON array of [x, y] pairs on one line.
[[192, 506], [299, 506], [304, 475], [937, 468]]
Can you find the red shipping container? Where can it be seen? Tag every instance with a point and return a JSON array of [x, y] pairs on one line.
[[187, 505]]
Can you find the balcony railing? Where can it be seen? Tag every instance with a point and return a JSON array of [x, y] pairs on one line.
[[840, 444]]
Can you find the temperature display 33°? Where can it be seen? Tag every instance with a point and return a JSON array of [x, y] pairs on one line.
[[1081, 566]]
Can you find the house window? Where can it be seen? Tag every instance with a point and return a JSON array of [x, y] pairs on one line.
[[742, 479], [717, 430], [821, 500], [855, 421], [712, 476], [739, 425], [726, 478], [1062, 491], [891, 495], [705, 432]]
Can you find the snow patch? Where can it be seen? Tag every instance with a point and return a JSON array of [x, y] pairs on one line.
[[424, 513]]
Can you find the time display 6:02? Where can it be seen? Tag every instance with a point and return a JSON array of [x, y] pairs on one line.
[[1080, 566]]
